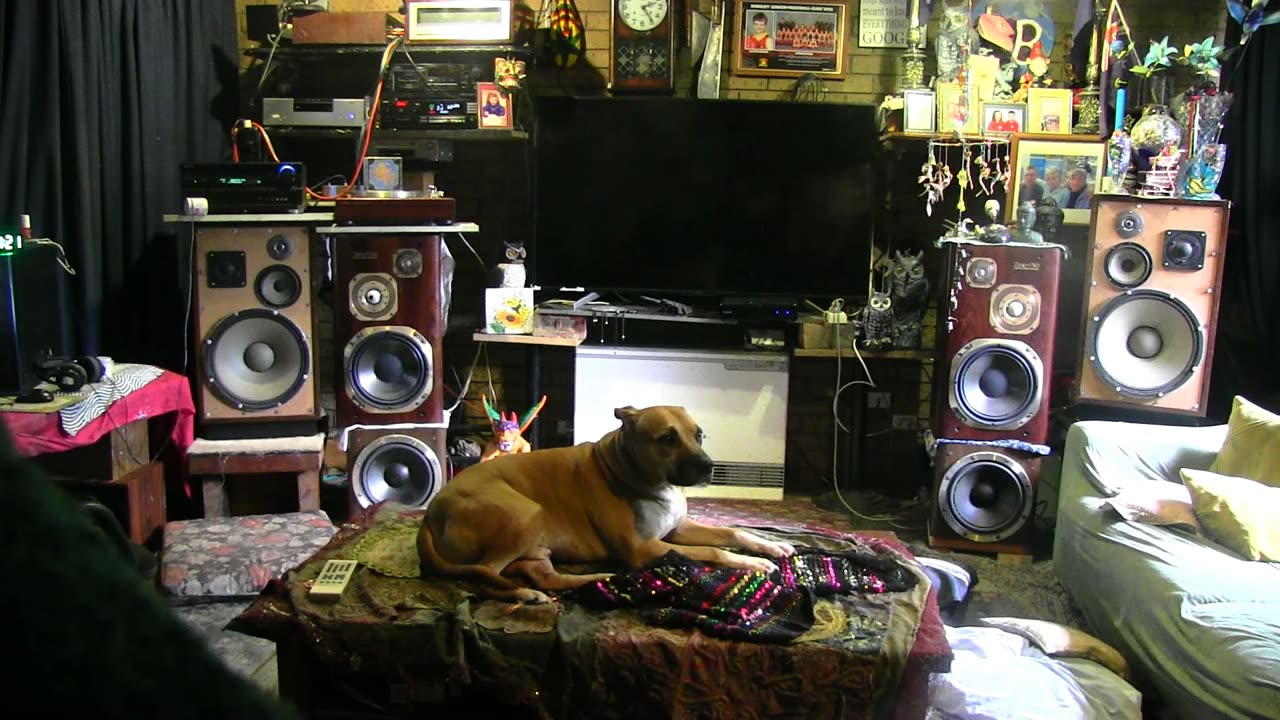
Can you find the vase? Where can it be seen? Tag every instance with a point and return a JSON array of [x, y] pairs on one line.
[[1119, 157], [1155, 130], [1202, 172]]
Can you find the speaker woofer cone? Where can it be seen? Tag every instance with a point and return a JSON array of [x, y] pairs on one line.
[[388, 368], [396, 468], [986, 496], [1145, 343], [996, 384], [1127, 265], [278, 286], [256, 359]]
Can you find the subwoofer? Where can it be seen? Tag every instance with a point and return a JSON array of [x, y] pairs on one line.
[[403, 465], [999, 340], [388, 328], [983, 498], [1151, 303], [253, 313]]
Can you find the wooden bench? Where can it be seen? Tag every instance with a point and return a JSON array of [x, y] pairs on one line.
[[214, 462]]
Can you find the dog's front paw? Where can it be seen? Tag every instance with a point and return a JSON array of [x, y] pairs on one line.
[[529, 596], [747, 562]]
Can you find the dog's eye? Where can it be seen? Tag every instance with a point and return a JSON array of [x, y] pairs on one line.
[[670, 438]]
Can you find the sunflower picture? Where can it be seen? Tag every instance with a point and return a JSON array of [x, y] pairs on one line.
[[512, 314]]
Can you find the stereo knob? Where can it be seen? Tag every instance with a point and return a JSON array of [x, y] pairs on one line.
[[287, 174]]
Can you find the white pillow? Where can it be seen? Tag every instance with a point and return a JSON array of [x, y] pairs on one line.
[[1156, 502]]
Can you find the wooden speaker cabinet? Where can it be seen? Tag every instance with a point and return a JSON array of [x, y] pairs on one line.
[[1153, 284], [388, 328], [403, 465], [999, 342], [253, 320], [983, 498]]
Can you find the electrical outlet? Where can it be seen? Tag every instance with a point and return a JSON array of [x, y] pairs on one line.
[[878, 400], [904, 422]]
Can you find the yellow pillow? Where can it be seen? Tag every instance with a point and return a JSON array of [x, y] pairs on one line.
[[1252, 447], [1239, 514]]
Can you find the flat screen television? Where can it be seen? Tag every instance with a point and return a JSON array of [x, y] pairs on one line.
[[703, 197]]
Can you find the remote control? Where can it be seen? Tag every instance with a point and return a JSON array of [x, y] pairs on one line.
[[332, 580]]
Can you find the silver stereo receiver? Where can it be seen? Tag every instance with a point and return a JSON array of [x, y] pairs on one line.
[[314, 112]]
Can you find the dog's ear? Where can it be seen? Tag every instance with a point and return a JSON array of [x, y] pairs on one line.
[[627, 415]]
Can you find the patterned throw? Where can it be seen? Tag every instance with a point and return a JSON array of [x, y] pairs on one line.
[[125, 378], [742, 604]]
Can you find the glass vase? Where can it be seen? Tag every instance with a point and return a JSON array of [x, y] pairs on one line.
[[1202, 172], [1119, 157], [1155, 130]]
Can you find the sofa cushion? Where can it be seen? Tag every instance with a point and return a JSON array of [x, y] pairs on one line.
[[1156, 503], [1237, 513], [235, 557], [1252, 447]]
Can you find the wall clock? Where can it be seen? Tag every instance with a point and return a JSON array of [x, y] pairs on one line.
[[642, 46]]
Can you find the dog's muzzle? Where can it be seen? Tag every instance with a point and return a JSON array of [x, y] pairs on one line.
[[694, 470]]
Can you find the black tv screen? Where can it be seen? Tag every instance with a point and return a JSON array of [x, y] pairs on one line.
[[718, 197]]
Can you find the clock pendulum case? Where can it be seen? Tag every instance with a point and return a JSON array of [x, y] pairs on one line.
[[642, 46]]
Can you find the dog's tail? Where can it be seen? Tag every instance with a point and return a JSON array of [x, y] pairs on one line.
[[486, 581]]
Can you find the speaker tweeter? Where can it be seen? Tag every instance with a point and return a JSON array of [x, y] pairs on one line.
[[1129, 223], [1184, 249]]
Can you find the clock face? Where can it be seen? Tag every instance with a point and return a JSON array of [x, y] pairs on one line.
[[642, 15]]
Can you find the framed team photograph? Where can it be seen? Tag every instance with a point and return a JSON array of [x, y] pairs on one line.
[[493, 107], [1049, 111], [1003, 119], [1065, 168], [919, 111], [790, 39], [957, 109]]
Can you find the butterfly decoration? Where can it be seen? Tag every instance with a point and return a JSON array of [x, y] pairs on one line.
[[1251, 17]]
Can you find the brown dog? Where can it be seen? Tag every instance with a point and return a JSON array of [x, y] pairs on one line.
[[501, 523]]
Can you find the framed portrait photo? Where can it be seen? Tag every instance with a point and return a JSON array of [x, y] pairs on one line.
[[1003, 119], [1049, 111], [919, 111], [1067, 169], [957, 109], [493, 107], [790, 39]]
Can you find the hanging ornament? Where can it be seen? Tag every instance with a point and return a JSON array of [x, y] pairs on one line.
[[568, 41]]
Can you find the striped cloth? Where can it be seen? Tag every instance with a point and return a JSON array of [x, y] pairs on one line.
[[125, 378]]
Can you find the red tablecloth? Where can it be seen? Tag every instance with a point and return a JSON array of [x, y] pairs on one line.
[[42, 433]]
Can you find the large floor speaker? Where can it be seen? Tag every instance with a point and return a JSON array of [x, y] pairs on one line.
[[388, 329], [402, 465], [999, 342], [34, 321], [1151, 303], [253, 315], [983, 498]]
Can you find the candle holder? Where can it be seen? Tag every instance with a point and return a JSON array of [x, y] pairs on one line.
[[912, 76]]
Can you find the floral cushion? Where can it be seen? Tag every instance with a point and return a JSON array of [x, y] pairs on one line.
[[235, 557]]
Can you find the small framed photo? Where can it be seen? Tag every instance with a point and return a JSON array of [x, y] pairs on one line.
[[919, 111], [1003, 119], [792, 39], [957, 109], [1049, 111], [493, 107], [1066, 168]]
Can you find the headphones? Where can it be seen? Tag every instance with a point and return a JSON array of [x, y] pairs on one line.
[[70, 374]]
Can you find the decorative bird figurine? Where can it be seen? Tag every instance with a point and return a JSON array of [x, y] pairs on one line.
[[1251, 17]]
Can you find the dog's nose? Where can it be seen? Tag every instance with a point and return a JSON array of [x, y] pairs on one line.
[[706, 464]]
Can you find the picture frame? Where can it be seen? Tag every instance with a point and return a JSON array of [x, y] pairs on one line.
[[1049, 111], [919, 111], [792, 39], [1068, 168], [1003, 119], [953, 99], [493, 107]]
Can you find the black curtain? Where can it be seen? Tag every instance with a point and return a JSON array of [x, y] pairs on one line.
[[1249, 316], [104, 99]]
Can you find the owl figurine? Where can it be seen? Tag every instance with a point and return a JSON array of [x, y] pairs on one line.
[[956, 41], [877, 322], [909, 291]]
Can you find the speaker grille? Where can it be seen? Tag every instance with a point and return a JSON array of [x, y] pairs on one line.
[[986, 496], [256, 359], [396, 468], [388, 368], [996, 384], [1145, 343]]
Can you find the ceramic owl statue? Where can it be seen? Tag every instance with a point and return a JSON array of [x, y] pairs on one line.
[[877, 322], [956, 40], [909, 291]]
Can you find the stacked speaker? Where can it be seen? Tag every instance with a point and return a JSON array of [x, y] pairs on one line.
[[388, 330], [254, 322], [992, 394], [1151, 303]]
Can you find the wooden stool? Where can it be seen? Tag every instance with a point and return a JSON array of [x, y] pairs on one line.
[[211, 461]]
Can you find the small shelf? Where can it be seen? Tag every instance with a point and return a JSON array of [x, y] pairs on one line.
[[387, 135], [525, 340], [323, 49], [866, 354]]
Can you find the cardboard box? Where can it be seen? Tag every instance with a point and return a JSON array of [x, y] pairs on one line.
[[339, 28], [571, 327], [817, 335], [508, 311]]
